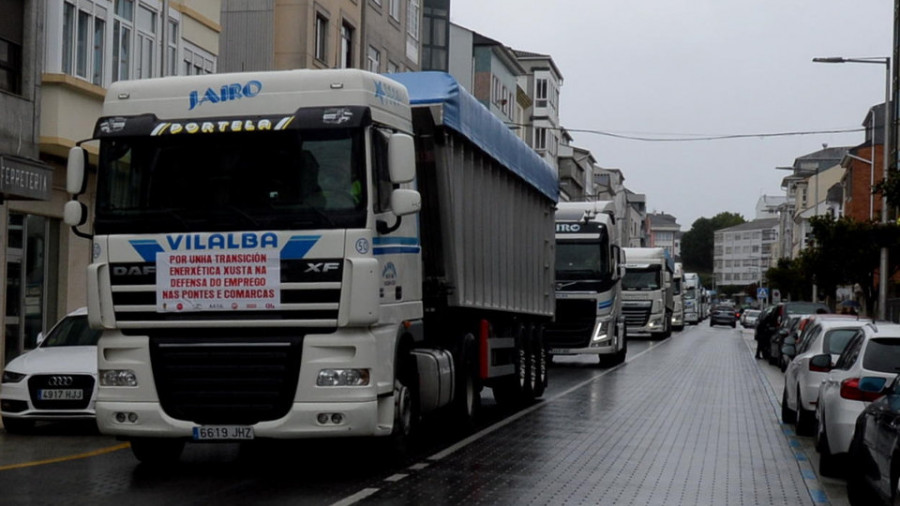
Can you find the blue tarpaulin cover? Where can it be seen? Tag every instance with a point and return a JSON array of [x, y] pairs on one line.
[[466, 115]]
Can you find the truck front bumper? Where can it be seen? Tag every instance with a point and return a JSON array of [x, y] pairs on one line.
[[150, 421]]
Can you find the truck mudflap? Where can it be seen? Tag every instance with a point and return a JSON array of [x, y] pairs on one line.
[[305, 420]]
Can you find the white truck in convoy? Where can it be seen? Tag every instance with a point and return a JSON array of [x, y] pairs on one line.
[[647, 300], [693, 298], [678, 297], [589, 316], [310, 254]]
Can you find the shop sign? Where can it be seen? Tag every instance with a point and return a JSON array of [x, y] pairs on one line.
[[21, 178]]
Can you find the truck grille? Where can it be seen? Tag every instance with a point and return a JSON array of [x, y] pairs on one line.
[[312, 297], [636, 313], [83, 382], [575, 320], [226, 380]]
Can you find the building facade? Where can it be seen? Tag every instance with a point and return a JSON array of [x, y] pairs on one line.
[[664, 232], [743, 253], [864, 166], [71, 51]]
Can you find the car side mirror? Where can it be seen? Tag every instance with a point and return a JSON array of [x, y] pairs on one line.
[[820, 363]]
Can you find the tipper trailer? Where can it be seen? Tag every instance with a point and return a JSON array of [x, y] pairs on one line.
[[309, 254]]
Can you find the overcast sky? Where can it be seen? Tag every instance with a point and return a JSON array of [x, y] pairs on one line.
[[715, 67]]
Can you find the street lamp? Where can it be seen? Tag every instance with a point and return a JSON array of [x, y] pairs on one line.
[[883, 265]]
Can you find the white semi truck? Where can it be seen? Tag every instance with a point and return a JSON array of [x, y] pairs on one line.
[[678, 297], [310, 254], [589, 317], [693, 298], [647, 299]]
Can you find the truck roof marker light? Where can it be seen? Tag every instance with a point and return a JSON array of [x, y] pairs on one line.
[[337, 86], [124, 95]]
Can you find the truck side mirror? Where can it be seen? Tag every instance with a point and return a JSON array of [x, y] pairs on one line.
[[76, 182], [401, 158], [405, 202], [74, 213]]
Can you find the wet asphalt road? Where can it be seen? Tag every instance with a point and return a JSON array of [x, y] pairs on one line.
[[653, 431]]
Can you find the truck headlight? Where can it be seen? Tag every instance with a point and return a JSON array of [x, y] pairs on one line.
[[118, 378], [601, 332], [343, 378]]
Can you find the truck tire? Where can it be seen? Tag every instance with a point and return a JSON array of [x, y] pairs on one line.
[[467, 396], [513, 390], [157, 451], [406, 412]]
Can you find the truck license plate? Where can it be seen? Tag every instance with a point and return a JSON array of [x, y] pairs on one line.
[[560, 351], [222, 433], [61, 394]]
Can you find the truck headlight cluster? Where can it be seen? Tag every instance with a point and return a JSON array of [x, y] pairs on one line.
[[601, 332], [118, 378], [343, 378]]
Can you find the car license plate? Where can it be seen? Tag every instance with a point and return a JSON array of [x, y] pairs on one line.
[[222, 432], [61, 394], [560, 351]]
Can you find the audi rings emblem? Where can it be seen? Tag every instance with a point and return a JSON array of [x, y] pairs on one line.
[[60, 381]]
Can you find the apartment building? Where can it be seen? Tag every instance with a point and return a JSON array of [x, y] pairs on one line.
[[665, 232], [743, 253], [60, 55]]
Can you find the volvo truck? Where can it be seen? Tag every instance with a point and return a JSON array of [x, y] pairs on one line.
[[678, 297], [647, 299], [309, 254], [589, 318]]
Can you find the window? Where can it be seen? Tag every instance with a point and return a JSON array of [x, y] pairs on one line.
[[412, 30], [540, 93], [68, 33], [81, 44], [321, 37], [122, 26], [172, 48], [540, 138], [197, 61], [99, 37], [395, 9], [10, 67], [146, 30], [392, 67], [374, 59], [346, 46], [383, 185], [11, 34]]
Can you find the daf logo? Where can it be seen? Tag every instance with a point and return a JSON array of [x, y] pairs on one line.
[[322, 266], [60, 381], [134, 270]]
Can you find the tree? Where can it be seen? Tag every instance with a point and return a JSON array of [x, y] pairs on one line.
[[697, 244], [789, 278]]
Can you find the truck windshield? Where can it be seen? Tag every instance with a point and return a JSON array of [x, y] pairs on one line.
[[641, 279], [231, 181], [690, 292], [581, 260]]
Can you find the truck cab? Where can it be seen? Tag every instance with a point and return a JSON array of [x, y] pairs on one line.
[[647, 291]]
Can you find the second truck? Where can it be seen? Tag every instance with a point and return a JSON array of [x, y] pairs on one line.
[[589, 318]]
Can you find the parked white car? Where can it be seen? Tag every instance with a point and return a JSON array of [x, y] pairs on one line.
[[749, 318], [870, 361], [55, 381], [822, 334]]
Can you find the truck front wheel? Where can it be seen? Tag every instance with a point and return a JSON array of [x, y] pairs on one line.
[[156, 451]]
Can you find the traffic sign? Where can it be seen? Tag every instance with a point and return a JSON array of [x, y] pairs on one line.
[[762, 293]]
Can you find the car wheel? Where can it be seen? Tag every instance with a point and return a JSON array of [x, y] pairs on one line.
[[733, 325], [788, 415], [828, 463], [806, 419], [17, 426]]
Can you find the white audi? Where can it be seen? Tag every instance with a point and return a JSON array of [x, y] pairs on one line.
[[55, 381]]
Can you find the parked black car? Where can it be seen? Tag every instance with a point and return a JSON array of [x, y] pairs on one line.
[[875, 449], [788, 330], [723, 315]]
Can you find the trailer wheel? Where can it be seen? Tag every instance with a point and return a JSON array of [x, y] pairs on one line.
[[539, 361], [513, 390]]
